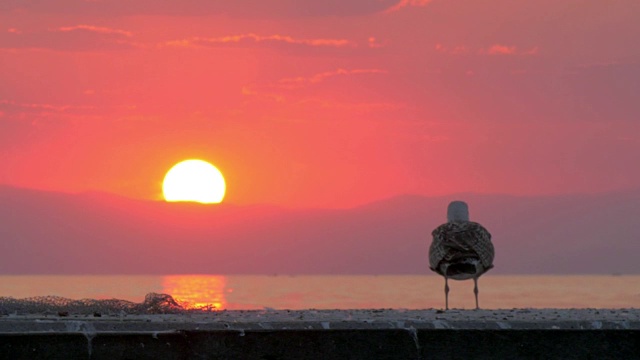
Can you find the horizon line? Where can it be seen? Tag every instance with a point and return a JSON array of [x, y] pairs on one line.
[[360, 205]]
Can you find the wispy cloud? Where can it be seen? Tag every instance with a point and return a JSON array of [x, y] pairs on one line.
[[357, 107], [251, 38], [606, 64], [288, 90], [454, 50], [67, 38], [273, 9], [96, 29], [374, 43], [499, 49], [407, 3], [10, 104], [320, 77], [302, 105], [278, 90], [496, 49]]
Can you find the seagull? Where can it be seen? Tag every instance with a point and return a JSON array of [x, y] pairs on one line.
[[461, 249]]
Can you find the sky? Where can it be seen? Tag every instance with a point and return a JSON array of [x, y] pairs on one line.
[[306, 103]]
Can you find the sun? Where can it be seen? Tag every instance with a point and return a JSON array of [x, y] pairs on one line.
[[194, 180]]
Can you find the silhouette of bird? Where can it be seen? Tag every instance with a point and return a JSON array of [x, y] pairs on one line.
[[461, 249]]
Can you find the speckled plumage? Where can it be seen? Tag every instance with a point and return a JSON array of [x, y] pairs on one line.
[[460, 239]]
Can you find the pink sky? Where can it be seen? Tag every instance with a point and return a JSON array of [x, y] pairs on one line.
[[322, 103]]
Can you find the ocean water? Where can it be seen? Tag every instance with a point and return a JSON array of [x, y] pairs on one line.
[[235, 292]]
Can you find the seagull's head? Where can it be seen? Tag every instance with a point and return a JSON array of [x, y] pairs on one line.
[[457, 211]]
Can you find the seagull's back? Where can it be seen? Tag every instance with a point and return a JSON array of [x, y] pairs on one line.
[[460, 241]]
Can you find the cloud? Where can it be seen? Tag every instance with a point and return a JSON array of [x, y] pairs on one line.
[[10, 106], [253, 39], [407, 3], [500, 50], [496, 49], [284, 84], [456, 50], [290, 91], [320, 77], [96, 29], [374, 43], [357, 107], [68, 38], [605, 64], [275, 9]]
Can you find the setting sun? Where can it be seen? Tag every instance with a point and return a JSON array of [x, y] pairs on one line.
[[194, 180]]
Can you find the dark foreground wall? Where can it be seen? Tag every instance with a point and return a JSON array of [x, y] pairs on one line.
[[327, 344], [326, 334]]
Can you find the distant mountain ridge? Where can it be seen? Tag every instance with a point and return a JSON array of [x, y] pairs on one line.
[[95, 233]]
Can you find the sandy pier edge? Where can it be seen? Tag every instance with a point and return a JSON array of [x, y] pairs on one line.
[[329, 319]]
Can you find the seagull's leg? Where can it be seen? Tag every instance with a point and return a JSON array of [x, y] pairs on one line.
[[446, 286], [475, 290], [446, 292]]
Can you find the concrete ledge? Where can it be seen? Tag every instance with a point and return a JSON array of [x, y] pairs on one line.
[[357, 334]]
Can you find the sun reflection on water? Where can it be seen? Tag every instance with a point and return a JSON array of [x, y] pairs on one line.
[[197, 291]]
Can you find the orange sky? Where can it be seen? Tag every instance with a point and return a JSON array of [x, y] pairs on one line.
[[322, 103]]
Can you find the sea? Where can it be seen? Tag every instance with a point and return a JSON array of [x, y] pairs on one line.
[[252, 292]]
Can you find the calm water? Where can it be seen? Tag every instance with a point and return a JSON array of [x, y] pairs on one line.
[[340, 292]]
